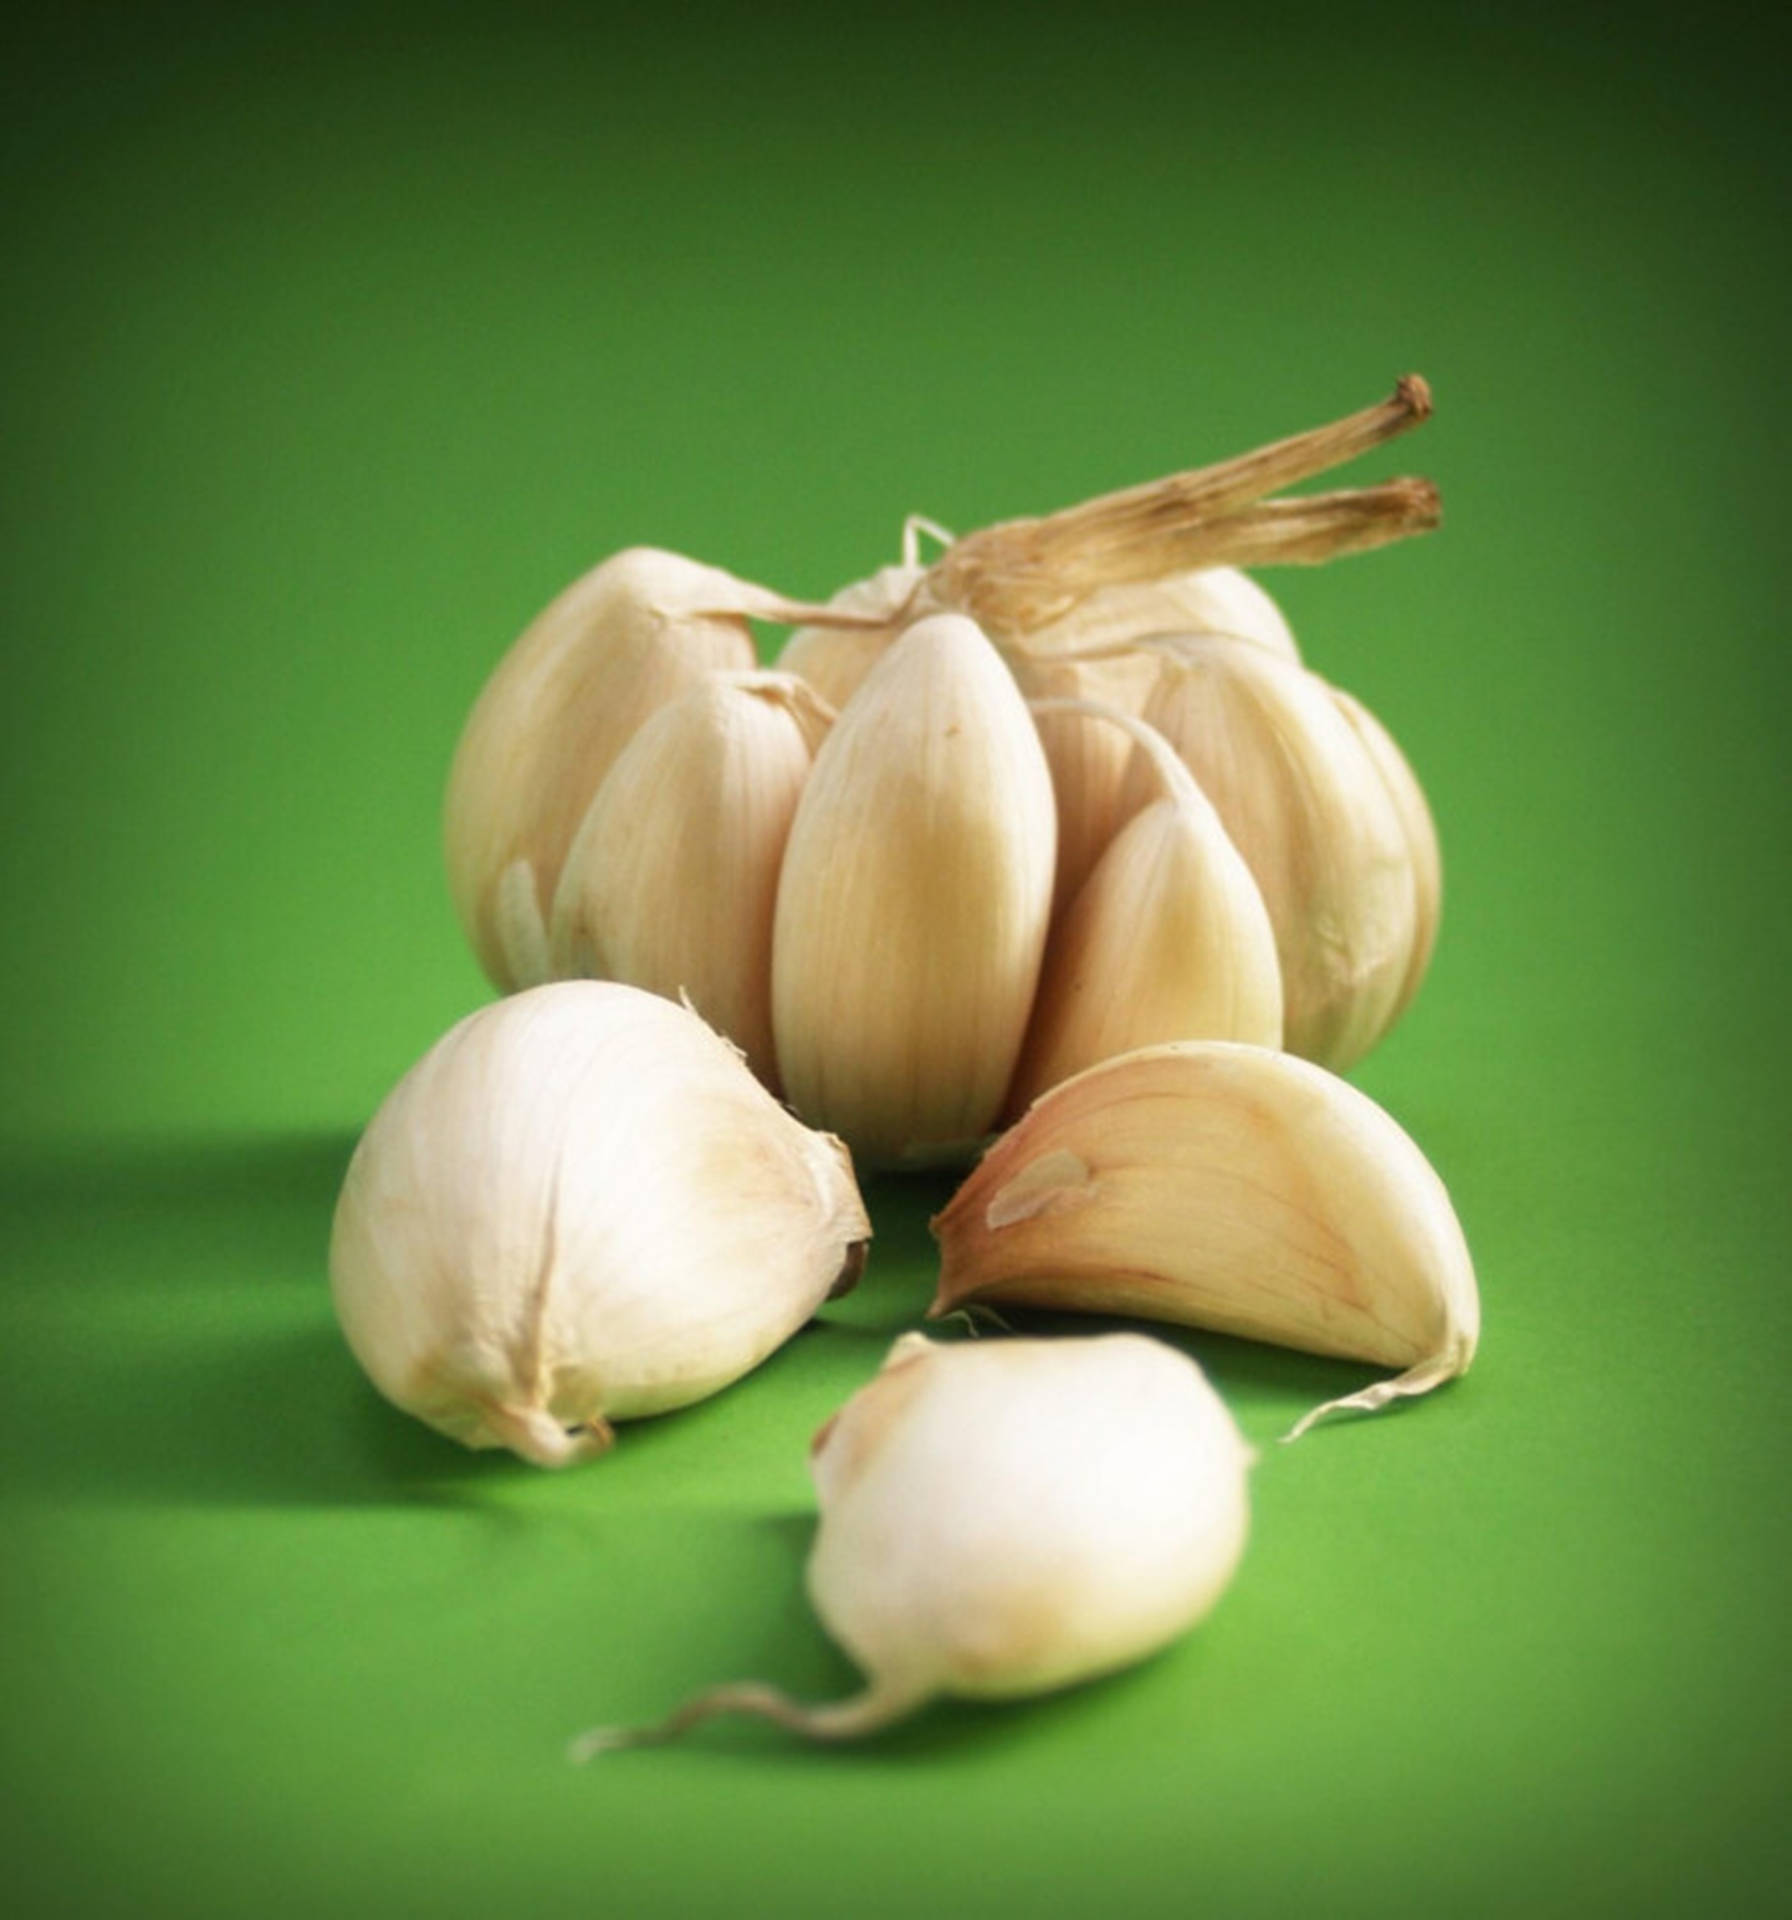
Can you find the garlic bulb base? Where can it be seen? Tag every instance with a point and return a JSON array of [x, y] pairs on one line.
[[854, 1718]]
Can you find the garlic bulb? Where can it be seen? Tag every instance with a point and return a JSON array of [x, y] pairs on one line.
[[1230, 1187], [672, 877], [580, 1207], [914, 899], [1004, 1518], [633, 633], [1306, 806], [1168, 939]]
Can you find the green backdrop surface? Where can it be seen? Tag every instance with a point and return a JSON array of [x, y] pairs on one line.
[[332, 348]]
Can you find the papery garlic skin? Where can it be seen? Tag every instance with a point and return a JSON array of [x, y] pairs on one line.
[[913, 903], [580, 1207], [672, 878], [835, 660], [1168, 939], [1003, 1518], [1307, 808], [1224, 1186]]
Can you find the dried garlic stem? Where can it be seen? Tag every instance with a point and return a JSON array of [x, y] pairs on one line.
[[851, 1719], [999, 573]]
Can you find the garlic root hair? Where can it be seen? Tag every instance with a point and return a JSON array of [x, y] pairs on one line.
[[860, 1714]]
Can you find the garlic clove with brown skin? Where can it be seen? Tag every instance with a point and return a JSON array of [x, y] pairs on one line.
[[1006, 1518], [913, 903], [580, 1207], [1305, 805], [672, 878], [633, 633], [1168, 939], [1229, 1187], [1421, 839]]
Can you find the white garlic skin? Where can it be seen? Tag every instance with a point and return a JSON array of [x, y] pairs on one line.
[[580, 1206], [1006, 1517]]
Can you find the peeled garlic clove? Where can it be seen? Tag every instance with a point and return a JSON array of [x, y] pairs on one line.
[[1421, 839], [1229, 1187], [914, 899], [1169, 939], [672, 878], [834, 660], [1304, 804], [580, 1207], [1005, 1518], [635, 632]]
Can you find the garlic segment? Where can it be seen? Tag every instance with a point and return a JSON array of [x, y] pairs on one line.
[[913, 903], [1168, 939], [1007, 1517], [1223, 1186], [834, 660], [579, 1207], [1304, 803], [633, 633], [672, 877], [1421, 838]]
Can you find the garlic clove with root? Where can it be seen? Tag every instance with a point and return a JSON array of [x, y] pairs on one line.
[[633, 633], [1305, 805], [1168, 939], [1006, 1518], [913, 903], [1230, 1187], [671, 880], [580, 1207]]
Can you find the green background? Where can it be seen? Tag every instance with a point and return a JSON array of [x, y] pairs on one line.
[[332, 348]]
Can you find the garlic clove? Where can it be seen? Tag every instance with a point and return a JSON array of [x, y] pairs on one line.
[[834, 659], [633, 633], [1223, 1186], [580, 1207], [1421, 839], [671, 880], [1168, 939], [913, 903], [1305, 806], [1006, 1518]]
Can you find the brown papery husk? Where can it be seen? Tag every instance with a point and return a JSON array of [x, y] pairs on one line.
[[1223, 1186]]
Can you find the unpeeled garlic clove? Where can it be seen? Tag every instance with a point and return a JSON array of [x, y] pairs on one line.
[[633, 633], [834, 659], [580, 1207], [672, 878], [913, 903], [1421, 839], [1005, 1518], [1168, 939], [1305, 805], [1228, 1187]]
